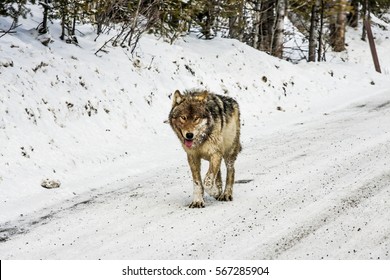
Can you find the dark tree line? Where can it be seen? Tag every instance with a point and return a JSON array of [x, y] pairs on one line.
[[259, 23]]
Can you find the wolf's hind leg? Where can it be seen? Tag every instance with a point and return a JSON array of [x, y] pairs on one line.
[[218, 182], [228, 193]]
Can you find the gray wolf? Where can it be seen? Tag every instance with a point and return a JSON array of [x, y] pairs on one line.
[[208, 127]]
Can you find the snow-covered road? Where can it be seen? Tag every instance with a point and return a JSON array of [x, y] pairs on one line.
[[315, 189]]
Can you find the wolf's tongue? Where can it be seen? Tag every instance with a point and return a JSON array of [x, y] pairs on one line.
[[188, 143]]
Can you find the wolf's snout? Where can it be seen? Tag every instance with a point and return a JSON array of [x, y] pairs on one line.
[[189, 135]]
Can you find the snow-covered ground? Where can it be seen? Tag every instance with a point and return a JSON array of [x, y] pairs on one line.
[[313, 178]]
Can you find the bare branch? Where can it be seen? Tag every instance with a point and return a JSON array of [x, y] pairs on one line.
[[11, 29]]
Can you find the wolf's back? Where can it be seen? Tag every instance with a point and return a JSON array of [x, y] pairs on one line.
[[223, 108]]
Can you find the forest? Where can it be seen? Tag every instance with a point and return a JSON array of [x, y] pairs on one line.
[[258, 23]]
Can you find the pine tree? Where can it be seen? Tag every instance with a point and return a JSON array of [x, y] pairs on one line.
[[174, 19], [264, 19], [14, 9], [233, 11]]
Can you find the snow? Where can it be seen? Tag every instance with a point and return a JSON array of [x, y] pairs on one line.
[[313, 176]]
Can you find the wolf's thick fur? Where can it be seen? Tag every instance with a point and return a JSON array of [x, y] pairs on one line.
[[208, 127]]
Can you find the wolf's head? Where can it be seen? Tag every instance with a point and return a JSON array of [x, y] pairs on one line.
[[190, 118]]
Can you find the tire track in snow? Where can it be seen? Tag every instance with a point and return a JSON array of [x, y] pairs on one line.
[[367, 190], [366, 152], [32, 221]]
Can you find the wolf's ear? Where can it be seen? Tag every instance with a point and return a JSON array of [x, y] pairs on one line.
[[177, 98], [202, 96]]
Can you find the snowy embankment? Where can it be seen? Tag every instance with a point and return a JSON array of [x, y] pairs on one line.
[[95, 124]]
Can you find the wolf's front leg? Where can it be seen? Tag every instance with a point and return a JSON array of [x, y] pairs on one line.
[[194, 163], [212, 181], [197, 201]]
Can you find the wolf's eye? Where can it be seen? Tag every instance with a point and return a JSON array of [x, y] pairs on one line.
[[183, 118], [196, 119]]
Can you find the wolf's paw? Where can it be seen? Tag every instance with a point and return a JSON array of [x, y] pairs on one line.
[[213, 191], [197, 204], [225, 197]]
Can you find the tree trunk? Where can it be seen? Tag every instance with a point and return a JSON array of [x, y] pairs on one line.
[[73, 31], [63, 23], [44, 28], [277, 46], [353, 19], [320, 32], [338, 27], [366, 16], [64, 13], [266, 24], [256, 25], [313, 30]]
